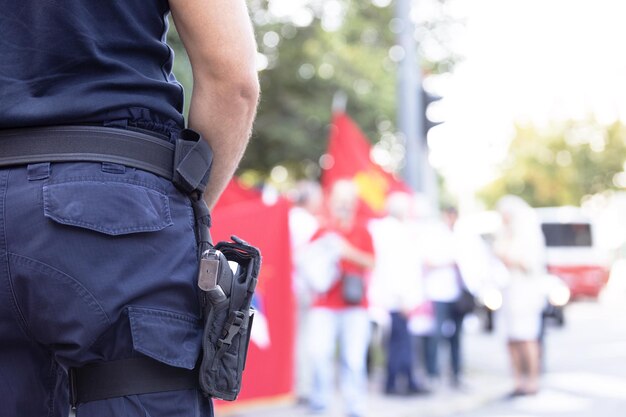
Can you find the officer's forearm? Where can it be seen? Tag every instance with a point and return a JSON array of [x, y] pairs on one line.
[[219, 39], [223, 113]]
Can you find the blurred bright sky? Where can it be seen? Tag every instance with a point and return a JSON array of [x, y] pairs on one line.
[[527, 60]]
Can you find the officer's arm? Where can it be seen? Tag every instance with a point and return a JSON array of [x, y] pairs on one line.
[[219, 39]]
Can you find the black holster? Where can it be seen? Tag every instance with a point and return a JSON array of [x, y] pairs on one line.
[[228, 319]]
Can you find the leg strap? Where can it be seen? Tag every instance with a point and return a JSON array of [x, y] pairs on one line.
[[141, 375]]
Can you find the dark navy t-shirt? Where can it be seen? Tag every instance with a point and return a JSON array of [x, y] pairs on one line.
[[86, 61]]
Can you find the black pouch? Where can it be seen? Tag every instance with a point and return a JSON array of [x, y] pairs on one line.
[[352, 289], [465, 304], [227, 317]]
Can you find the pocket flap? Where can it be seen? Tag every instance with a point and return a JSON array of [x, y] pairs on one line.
[[109, 207], [169, 337]]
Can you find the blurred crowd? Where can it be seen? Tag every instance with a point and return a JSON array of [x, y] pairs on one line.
[[394, 289]]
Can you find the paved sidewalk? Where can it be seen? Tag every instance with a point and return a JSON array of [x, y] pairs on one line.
[[480, 389]]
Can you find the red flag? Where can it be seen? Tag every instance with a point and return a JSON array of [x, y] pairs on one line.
[[349, 158], [236, 193]]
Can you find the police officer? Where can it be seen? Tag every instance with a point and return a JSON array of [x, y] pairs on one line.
[[98, 257]]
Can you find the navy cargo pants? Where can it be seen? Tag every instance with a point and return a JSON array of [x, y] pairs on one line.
[[97, 262]]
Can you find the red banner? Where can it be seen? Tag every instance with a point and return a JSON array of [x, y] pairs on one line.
[[269, 368]]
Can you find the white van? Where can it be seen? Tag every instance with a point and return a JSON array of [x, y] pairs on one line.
[[573, 252]]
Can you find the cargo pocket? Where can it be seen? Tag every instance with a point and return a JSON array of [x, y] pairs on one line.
[[166, 336], [113, 208]]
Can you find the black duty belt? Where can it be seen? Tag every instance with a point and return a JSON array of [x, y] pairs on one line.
[[186, 163]]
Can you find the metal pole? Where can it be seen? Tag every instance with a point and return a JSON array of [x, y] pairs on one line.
[[340, 102], [409, 98]]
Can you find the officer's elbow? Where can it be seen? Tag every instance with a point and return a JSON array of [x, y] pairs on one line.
[[244, 95], [235, 84], [247, 88]]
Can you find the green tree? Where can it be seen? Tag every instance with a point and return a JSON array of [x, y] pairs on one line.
[[561, 164]]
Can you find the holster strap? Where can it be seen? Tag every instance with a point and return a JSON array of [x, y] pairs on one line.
[[134, 376]]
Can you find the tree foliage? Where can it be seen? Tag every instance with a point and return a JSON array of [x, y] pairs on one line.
[[561, 164], [306, 68]]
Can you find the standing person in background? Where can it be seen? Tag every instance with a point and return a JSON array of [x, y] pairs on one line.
[[520, 246], [422, 320], [396, 287], [443, 287], [110, 277], [303, 224], [339, 315]]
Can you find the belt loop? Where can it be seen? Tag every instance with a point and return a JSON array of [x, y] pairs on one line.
[[39, 171], [112, 168]]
